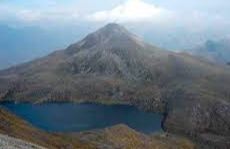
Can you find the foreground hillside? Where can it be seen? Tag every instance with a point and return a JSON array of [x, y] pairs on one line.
[[123, 137], [7, 142], [112, 65], [119, 136]]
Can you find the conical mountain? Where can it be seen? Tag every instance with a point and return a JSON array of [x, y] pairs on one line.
[[111, 36], [112, 50], [109, 57], [112, 65]]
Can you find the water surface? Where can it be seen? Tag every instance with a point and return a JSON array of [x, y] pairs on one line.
[[68, 117]]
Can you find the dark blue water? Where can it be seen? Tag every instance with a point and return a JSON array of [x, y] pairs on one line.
[[67, 117]]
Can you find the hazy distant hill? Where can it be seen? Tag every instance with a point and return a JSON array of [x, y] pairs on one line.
[[112, 65], [217, 51]]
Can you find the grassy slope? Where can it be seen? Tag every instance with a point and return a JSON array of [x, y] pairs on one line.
[[121, 136]]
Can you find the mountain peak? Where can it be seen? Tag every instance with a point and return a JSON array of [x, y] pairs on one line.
[[113, 29], [113, 25], [111, 35]]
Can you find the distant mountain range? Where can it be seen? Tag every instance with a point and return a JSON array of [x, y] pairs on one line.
[[113, 65], [216, 51]]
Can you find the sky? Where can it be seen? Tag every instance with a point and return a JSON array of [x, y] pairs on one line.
[[199, 13]]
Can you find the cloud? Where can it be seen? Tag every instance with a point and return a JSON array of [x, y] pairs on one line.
[[58, 14], [132, 11], [54, 13], [135, 12]]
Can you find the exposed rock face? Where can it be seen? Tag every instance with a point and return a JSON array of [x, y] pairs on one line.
[[113, 65]]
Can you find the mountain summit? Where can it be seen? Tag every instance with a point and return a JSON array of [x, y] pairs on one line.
[[112, 65], [108, 37], [112, 29]]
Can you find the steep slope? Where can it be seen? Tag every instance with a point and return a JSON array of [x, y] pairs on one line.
[[114, 66]]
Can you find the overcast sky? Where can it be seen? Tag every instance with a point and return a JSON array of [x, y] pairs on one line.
[[202, 13]]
